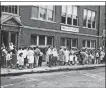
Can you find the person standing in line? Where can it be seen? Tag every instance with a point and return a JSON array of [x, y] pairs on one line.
[[92, 57], [50, 54], [61, 56], [55, 56], [37, 54], [102, 54], [66, 55], [8, 60], [25, 53], [40, 59], [47, 55], [30, 57], [97, 57], [3, 57], [14, 57], [18, 52], [20, 61], [71, 58]]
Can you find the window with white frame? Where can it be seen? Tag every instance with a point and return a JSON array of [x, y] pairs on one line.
[[43, 12], [89, 18], [68, 42], [10, 9], [69, 15], [41, 40], [88, 43]]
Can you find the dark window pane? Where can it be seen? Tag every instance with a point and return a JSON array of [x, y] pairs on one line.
[[84, 43], [84, 23], [74, 43], [41, 40], [3, 8], [69, 43], [89, 25], [33, 39], [63, 20], [62, 42], [69, 20], [10, 9], [16, 9], [6, 8], [88, 44], [49, 40], [93, 24], [75, 22]]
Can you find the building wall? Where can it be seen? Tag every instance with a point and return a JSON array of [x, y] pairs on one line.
[[25, 13]]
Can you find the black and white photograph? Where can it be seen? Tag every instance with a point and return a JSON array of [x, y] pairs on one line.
[[52, 44]]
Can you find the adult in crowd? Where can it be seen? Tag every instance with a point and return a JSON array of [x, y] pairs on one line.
[[14, 56], [25, 53], [50, 54], [47, 55], [97, 57], [55, 56], [61, 56], [36, 55], [40, 58], [30, 57], [66, 56], [3, 57], [102, 55]]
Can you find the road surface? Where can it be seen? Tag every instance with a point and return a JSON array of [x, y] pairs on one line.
[[94, 78]]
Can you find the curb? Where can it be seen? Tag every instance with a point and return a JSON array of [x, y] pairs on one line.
[[53, 69]]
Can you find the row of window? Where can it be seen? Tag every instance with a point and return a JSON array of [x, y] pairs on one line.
[[69, 14], [89, 43], [41, 40], [70, 42], [10, 9]]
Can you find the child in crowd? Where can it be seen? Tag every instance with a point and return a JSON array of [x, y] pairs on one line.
[[8, 60], [20, 61]]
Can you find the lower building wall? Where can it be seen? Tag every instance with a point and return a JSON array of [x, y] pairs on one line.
[[25, 37]]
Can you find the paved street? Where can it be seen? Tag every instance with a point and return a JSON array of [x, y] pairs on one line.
[[94, 78]]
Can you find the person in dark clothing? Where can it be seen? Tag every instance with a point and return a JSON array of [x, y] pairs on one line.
[[40, 59]]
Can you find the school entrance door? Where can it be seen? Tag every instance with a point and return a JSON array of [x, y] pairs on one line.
[[8, 36], [10, 29]]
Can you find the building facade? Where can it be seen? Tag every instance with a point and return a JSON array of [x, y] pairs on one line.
[[70, 26]]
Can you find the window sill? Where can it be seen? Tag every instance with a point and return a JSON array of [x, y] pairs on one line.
[[42, 20], [69, 25], [90, 28]]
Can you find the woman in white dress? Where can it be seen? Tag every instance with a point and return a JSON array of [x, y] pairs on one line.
[[66, 56], [30, 57]]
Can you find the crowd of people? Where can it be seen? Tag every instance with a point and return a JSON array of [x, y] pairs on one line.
[[31, 57]]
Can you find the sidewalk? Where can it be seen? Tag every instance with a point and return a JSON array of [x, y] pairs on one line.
[[43, 69]]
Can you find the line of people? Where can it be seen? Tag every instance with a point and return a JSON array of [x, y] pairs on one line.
[[32, 57]]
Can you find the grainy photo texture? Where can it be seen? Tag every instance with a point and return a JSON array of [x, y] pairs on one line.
[[52, 46]]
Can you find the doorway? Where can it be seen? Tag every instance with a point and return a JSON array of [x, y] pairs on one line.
[[8, 36]]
